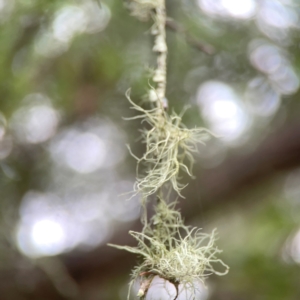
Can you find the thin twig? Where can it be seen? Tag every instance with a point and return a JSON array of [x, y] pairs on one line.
[[161, 49]]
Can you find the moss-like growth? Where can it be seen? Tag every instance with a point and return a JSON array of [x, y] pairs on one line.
[[166, 247], [172, 250], [169, 148]]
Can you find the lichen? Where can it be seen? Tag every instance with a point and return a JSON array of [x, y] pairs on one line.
[[172, 250], [166, 247], [169, 149]]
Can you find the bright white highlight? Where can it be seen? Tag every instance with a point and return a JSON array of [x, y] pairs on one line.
[[48, 236], [240, 9], [222, 110], [50, 225], [229, 8]]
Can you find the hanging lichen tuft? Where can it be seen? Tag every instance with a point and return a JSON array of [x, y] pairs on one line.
[[169, 148], [168, 250]]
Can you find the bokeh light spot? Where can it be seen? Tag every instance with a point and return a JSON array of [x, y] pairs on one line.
[[222, 110], [229, 8], [270, 60], [261, 97], [36, 121], [240, 9], [48, 236], [50, 225], [70, 21], [85, 153], [195, 291], [88, 147]]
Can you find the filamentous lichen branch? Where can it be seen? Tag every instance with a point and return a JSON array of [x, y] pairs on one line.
[[174, 251], [166, 247], [169, 144], [169, 148]]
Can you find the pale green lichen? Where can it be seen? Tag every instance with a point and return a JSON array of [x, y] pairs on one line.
[[166, 247], [169, 148], [172, 250]]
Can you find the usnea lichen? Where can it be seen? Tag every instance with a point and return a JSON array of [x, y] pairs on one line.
[[169, 148], [174, 251], [166, 247]]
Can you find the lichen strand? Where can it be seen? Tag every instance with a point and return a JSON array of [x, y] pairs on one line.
[[174, 251], [166, 247], [169, 148]]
